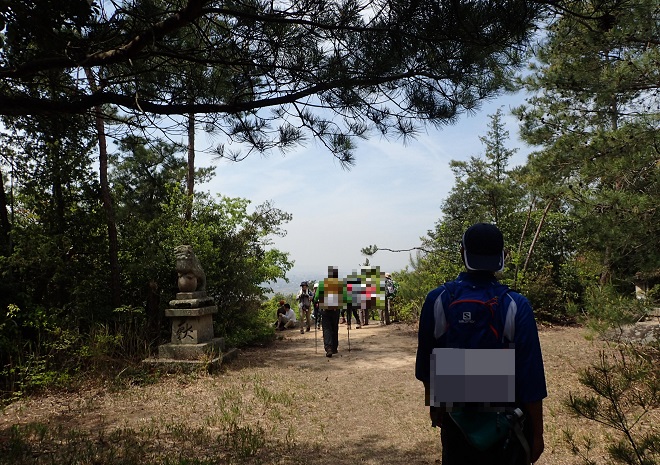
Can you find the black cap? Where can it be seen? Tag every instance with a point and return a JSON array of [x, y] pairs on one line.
[[483, 248]]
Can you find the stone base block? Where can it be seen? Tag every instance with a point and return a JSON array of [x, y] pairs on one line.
[[171, 365], [192, 330], [191, 295], [192, 303], [192, 351], [191, 312]]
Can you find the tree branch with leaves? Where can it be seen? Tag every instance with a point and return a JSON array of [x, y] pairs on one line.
[[385, 65]]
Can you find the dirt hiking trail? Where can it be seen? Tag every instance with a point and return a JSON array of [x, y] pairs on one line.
[[362, 406]]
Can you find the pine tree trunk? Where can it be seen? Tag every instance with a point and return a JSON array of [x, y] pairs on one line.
[[5, 225], [522, 238], [191, 165], [106, 199]]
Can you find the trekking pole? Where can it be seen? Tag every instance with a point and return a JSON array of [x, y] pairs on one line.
[[316, 327], [348, 335]]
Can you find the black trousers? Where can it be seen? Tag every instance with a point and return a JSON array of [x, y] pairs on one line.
[[330, 323], [352, 311]]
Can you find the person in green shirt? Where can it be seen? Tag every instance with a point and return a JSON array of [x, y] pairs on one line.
[[331, 296]]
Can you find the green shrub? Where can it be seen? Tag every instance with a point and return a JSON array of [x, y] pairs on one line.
[[546, 297], [653, 295], [254, 326], [406, 311], [605, 308], [622, 391]]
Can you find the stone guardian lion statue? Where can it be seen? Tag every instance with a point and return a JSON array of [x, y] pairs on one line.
[[191, 274]]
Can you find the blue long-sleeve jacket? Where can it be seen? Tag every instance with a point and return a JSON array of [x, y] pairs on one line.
[[530, 375]]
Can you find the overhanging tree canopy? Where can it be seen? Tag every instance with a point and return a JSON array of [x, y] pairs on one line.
[[331, 69]]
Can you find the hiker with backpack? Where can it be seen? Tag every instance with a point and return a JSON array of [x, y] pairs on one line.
[[480, 361], [391, 289], [352, 284], [331, 296], [304, 299], [316, 313]]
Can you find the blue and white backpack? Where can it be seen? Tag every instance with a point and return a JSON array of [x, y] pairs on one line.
[[476, 317], [483, 318]]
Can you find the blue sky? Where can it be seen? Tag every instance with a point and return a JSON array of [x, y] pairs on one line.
[[391, 197]]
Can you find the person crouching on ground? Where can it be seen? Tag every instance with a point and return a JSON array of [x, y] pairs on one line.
[[287, 319], [280, 311]]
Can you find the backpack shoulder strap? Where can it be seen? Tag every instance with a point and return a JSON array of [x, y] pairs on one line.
[[439, 309], [510, 308], [451, 287]]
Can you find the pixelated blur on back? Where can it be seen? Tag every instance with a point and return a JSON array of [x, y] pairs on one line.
[[366, 288], [472, 375]]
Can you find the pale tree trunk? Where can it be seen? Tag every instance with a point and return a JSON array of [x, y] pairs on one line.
[[522, 238], [536, 235], [5, 224], [106, 198]]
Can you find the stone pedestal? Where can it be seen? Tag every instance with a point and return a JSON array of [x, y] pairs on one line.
[[192, 345]]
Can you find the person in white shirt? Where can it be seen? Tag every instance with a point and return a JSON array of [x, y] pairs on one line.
[[287, 319]]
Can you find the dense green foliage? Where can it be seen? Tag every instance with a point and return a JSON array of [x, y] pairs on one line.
[[59, 315], [546, 257], [485, 189], [598, 132]]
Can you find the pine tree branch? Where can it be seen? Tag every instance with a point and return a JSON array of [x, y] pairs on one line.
[[372, 249]]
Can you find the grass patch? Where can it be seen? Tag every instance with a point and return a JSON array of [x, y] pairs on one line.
[[227, 435], [38, 444]]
